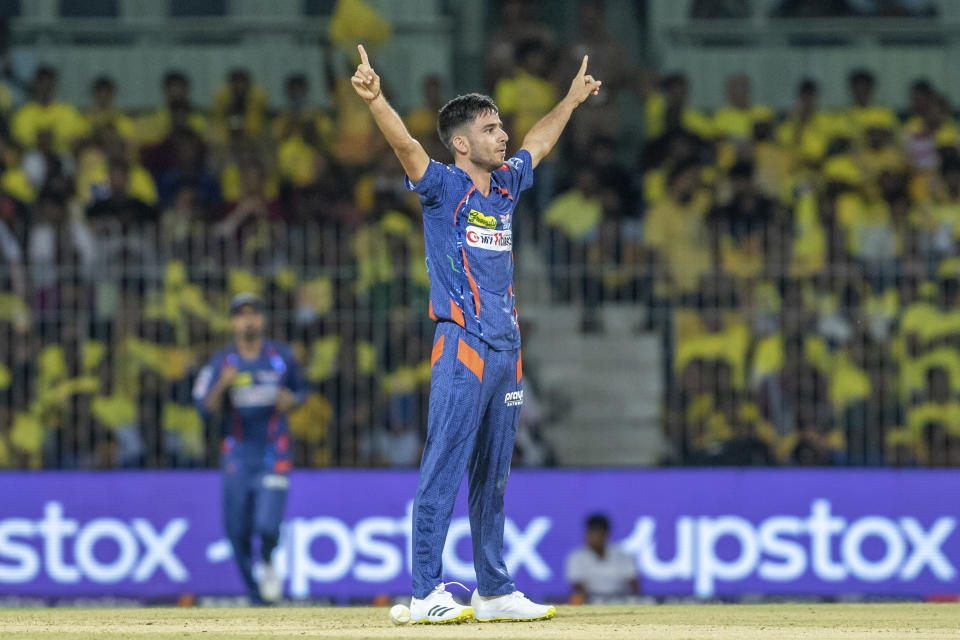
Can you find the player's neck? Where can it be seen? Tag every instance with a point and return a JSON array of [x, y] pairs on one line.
[[479, 175], [249, 349]]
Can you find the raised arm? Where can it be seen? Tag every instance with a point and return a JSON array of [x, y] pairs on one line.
[[541, 138], [366, 82]]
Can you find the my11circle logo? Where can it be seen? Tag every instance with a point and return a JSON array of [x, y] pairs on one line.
[[490, 239]]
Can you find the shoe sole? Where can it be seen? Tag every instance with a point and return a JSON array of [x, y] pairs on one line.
[[465, 615], [552, 611]]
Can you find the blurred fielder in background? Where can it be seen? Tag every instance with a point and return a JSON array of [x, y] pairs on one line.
[[251, 385]]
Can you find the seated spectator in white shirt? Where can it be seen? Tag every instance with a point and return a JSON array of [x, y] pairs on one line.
[[600, 570]]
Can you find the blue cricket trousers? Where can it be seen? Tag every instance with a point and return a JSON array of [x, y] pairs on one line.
[[475, 398], [254, 499]]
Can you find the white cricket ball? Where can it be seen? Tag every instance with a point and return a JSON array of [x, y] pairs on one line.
[[399, 614]]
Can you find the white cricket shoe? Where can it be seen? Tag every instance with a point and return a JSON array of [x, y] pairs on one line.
[[514, 607], [438, 608], [269, 583]]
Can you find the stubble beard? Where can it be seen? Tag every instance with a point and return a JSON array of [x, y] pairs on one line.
[[251, 334]]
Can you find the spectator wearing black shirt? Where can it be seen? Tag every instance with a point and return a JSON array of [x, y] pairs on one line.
[[120, 207]]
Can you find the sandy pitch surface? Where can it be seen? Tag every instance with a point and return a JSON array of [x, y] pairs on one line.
[[714, 622]]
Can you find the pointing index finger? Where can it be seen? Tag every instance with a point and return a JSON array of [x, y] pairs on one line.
[[363, 55], [583, 67]]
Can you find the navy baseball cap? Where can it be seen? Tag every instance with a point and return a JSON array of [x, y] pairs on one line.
[[243, 299]]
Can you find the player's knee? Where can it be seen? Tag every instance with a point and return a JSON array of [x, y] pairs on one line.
[[237, 532], [268, 531]]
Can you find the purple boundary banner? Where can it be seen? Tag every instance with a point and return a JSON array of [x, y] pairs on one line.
[[708, 533]]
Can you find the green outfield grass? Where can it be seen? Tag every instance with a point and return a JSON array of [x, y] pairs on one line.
[[714, 622]]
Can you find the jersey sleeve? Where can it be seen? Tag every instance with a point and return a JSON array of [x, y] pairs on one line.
[[294, 379], [206, 379], [517, 172], [431, 187]]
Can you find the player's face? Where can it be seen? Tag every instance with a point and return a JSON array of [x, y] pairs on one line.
[[596, 537], [247, 324], [488, 141]]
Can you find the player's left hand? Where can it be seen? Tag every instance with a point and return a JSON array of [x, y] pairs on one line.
[[365, 80], [583, 84], [284, 400]]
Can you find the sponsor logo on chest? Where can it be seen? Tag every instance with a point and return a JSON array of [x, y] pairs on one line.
[[482, 220], [490, 239], [514, 398], [267, 377], [258, 395]]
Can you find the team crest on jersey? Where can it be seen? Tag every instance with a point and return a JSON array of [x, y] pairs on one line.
[[505, 221], [478, 218]]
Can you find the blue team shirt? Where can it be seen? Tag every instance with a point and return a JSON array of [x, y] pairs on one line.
[[251, 418], [469, 246]]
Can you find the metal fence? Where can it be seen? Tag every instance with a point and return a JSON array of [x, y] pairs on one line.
[[769, 356], [100, 364]]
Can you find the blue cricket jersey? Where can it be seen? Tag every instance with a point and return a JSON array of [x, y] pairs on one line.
[[469, 246], [251, 419]]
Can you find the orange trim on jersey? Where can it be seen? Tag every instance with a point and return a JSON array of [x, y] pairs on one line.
[[456, 314], [473, 283], [433, 316], [470, 358], [510, 289], [282, 466], [437, 351], [519, 365], [460, 204]]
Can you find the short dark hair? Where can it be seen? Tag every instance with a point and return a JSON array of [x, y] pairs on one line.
[[173, 76], [671, 80], [46, 71], [860, 75], [295, 79], [460, 111], [807, 86], [103, 82], [922, 85], [598, 521], [525, 47]]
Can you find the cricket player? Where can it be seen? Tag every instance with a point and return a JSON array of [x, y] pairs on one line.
[[255, 381], [475, 388]]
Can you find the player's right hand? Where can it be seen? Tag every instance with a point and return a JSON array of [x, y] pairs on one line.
[[365, 81], [228, 374]]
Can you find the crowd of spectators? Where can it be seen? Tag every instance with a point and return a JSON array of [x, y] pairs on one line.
[[123, 235], [809, 266], [800, 267]]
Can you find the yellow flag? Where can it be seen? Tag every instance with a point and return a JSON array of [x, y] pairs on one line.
[[356, 21]]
